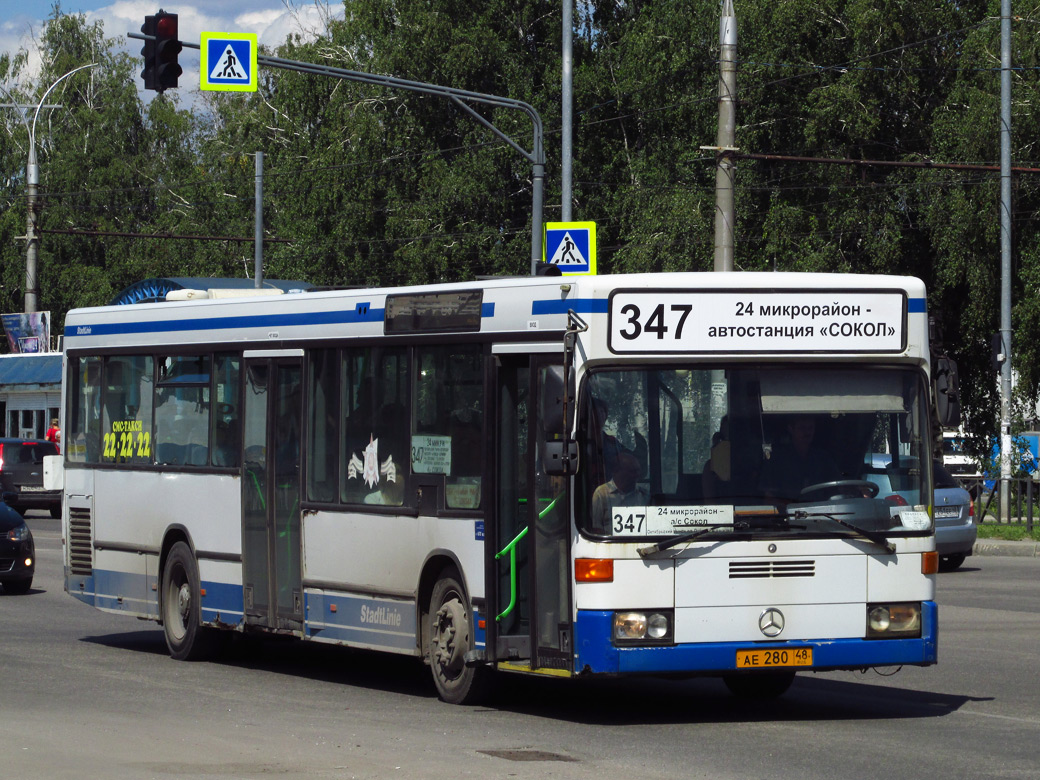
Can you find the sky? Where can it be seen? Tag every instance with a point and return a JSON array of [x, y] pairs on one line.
[[271, 20]]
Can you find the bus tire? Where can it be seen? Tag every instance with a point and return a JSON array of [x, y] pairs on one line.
[[769, 685], [186, 637], [451, 637]]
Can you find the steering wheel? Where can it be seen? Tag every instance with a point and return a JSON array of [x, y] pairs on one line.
[[849, 488]]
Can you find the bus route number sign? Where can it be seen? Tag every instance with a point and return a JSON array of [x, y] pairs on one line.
[[757, 321]]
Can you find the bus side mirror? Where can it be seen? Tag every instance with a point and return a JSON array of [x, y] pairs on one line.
[[560, 458], [947, 393]]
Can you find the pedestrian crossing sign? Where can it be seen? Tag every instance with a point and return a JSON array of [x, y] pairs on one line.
[[571, 246], [228, 61]]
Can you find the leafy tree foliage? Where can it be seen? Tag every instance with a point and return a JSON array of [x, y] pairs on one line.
[[375, 186]]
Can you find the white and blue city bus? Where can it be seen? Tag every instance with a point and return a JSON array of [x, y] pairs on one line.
[[582, 476]]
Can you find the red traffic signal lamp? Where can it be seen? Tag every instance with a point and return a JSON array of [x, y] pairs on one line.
[[161, 69], [167, 47]]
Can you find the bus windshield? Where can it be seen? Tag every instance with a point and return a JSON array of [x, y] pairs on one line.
[[667, 450]]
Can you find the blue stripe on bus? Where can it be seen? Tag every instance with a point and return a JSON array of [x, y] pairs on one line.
[[360, 313], [596, 653], [130, 592], [917, 305], [222, 602], [121, 591], [579, 305], [358, 620]]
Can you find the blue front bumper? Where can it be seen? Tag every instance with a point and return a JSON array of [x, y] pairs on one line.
[[598, 655]]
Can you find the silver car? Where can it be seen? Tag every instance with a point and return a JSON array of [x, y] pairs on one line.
[[955, 530], [954, 511]]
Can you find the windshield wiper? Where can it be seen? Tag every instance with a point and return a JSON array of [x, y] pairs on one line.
[[861, 533], [743, 525]]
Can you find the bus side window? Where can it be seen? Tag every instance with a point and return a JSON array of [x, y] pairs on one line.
[[83, 420], [323, 441], [182, 411], [449, 436], [374, 387], [127, 406], [227, 426]]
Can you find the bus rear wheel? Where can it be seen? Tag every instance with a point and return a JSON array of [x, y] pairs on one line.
[[186, 637], [768, 685], [451, 637]]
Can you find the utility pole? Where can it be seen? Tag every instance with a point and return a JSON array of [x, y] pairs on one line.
[[566, 144], [1005, 260], [258, 227], [725, 141]]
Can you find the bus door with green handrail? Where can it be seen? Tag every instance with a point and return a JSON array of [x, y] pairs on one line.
[[530, 579]]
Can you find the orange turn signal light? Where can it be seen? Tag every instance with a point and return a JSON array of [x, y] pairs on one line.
[[929, 562], [594, 570]]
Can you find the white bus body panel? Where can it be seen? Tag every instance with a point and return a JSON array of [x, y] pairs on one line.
[[385, 553]]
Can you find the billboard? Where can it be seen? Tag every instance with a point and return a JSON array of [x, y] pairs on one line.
[[28, 332]]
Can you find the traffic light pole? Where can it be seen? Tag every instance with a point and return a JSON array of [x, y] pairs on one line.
[[461, 98]]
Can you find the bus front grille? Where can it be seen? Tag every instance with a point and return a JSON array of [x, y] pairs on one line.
[[81, 550], [767, 569]]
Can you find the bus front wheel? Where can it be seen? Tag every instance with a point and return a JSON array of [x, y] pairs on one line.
[[451, 633], [186, 637]]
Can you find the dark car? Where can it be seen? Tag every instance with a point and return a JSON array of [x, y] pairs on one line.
[[21, 475], [17, 552]]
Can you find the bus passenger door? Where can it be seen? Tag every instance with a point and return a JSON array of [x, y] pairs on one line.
[[529, 541], [271, 549]]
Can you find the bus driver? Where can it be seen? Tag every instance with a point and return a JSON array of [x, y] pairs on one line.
[[622, 490]]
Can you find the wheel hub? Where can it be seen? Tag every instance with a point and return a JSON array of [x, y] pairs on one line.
[[450, 645], [184, 601]]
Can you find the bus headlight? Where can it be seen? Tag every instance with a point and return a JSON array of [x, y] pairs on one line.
[[893, 621], [645, 627]]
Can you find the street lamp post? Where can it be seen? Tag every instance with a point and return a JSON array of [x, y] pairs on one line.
[[32, 183]]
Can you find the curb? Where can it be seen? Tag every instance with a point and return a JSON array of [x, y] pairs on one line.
[[1027, 549]]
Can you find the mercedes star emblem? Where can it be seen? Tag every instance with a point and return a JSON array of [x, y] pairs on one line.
[[771, 622]]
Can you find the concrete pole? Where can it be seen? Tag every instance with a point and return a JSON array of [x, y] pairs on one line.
[[32, 238], [725, 174], [258, 224], [566, 198], [1005, 259], [32, 182]]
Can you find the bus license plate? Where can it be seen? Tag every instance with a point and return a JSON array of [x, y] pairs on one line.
[[767, 659]]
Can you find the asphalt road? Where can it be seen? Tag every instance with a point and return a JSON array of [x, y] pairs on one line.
[[89, 695]]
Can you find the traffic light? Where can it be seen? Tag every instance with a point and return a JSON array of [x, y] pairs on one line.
[[148, 52], [167, 47]]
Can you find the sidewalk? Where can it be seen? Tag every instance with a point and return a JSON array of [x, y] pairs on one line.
[[1025, 549]]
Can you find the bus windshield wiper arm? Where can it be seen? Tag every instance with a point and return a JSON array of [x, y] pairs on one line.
[[871, 536], [675, 541], [743, 525]]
